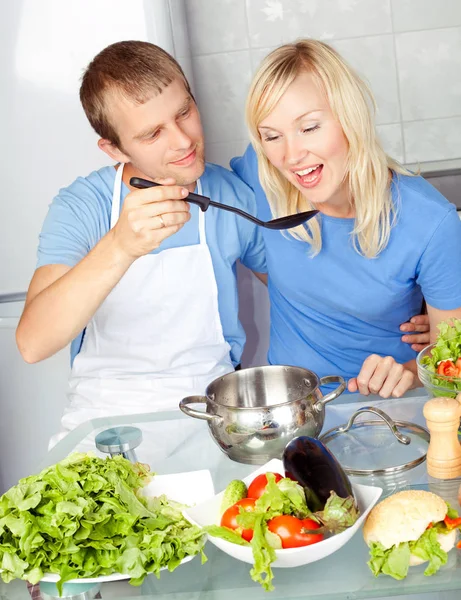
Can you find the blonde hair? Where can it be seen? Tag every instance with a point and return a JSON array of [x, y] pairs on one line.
[[353, 105]]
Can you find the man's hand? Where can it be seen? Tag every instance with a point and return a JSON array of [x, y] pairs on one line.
[[421, 338], [148, 217], [383, 376]]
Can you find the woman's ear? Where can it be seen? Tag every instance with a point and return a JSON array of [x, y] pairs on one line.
[[113, 151]]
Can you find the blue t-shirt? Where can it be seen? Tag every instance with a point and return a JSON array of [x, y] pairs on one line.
[[329, 312], [79, 217]]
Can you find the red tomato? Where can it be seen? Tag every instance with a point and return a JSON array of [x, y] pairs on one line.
[[229, 518], [447, 368], [458, 367], [258, 485], [290, 531]]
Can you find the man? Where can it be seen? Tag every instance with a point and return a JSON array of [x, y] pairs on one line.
[[150, 280]]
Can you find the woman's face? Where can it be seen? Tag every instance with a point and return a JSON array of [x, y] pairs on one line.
[[304, 141]]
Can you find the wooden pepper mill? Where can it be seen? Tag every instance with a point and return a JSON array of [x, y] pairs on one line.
[[444, 453]]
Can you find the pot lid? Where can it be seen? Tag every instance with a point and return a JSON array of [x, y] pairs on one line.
[[377, 446]]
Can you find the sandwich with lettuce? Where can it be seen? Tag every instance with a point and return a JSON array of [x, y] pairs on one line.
[[410, 528]]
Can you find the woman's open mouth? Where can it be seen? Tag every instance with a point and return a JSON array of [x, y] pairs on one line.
[[310, 176]]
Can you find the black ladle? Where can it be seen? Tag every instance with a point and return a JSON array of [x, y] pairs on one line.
[[204, 202]]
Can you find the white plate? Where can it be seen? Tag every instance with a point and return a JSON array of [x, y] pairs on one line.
[[188, 488], [208, 513]]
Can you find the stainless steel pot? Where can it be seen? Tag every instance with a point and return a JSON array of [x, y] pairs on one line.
[[253, 413]]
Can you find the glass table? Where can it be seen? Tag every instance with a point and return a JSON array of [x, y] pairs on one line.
[[343, 575]]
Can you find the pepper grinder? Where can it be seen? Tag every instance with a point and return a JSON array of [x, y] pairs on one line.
[[120, 440], [444, 453]]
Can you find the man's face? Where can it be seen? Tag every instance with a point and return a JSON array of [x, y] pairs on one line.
[[162, 137]]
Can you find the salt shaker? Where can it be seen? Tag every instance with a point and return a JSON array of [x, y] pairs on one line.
[[444, 453]]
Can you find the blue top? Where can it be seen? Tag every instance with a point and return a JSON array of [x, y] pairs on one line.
[[79, 217], [329, 312]]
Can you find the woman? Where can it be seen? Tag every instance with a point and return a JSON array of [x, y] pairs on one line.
[[340, 286]]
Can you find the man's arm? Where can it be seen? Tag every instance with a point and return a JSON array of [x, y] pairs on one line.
[[261, 276], [61, 300], [417, 332]]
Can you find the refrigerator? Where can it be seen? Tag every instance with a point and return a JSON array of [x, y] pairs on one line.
[[46, 143]]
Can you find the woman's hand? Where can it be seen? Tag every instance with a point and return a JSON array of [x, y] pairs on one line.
[[383, 376], [421, 338]]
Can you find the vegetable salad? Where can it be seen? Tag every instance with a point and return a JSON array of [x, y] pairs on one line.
[[84, 517]]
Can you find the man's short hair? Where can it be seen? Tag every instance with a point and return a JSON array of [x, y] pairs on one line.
[[133, 69]]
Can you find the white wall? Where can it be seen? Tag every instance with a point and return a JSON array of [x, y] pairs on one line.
[[409, 50]]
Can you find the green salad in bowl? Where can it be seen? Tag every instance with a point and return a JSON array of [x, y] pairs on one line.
[[439, 365]]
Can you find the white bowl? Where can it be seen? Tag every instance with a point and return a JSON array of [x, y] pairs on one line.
[[209, 513], [187, 488]]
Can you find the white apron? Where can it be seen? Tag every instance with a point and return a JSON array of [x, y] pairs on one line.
[[155, 339]]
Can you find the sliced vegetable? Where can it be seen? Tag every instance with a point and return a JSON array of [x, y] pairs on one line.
[[447, 368], [447, 350], [452, 523], [458, 367]]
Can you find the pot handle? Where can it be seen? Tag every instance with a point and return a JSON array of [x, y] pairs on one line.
[[332, 395], [197, 414], [403, 439]]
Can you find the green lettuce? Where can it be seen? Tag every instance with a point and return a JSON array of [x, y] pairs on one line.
[[338, 513], [395, 561], [447, 347], [285, 497], [226, 534], [84, 517]]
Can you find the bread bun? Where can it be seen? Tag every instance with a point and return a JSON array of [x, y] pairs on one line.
[[404, 517]]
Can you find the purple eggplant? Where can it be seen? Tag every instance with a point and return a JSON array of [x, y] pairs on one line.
[[310, 463]]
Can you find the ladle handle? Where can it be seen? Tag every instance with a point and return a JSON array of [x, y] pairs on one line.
[[403, 439], [202, 201], [197, 414]]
